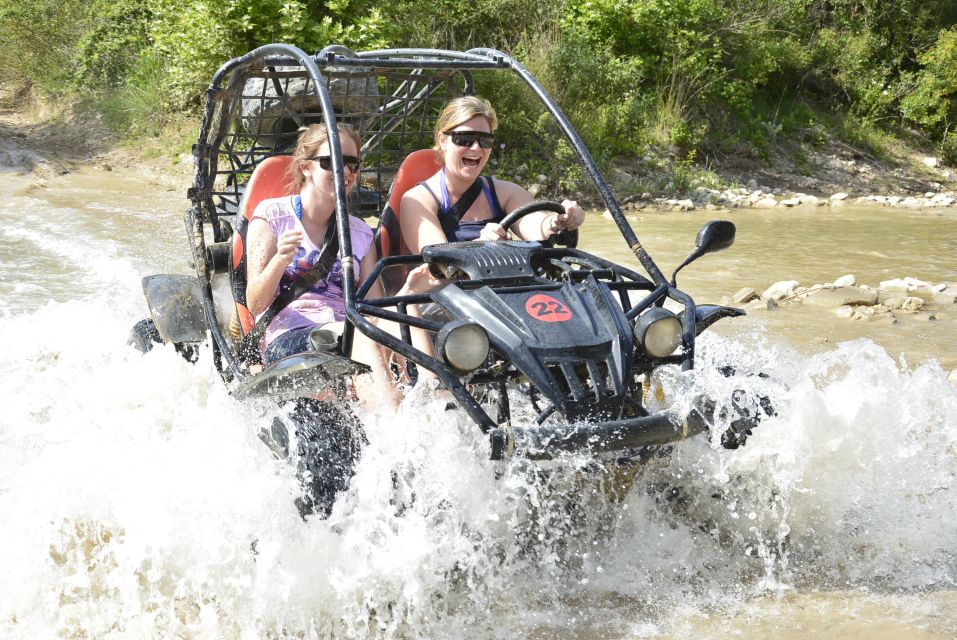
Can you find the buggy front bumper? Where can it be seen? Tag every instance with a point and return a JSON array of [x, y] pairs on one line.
[[544, 443]]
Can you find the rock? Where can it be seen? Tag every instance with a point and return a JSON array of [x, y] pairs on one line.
[[931, 162], [895, 285], [952, 378], [844, 311], [846, 281], [534, 189], [924, 293], [751, 184], [839, 296], [766, 203], [891, 299], [618, 178], [837, 197], [542, 179], [911, 304], [790, 202], [780, 290], [944, 299], [743, 296]]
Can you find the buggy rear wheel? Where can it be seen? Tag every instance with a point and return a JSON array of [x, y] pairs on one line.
[[144, 336]]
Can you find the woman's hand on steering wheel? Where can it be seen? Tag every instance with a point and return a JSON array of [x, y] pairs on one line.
[[494, 231], [572, 218], [562, 224]]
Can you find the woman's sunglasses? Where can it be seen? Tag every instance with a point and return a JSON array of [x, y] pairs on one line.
[[347, 161], [468, 138]]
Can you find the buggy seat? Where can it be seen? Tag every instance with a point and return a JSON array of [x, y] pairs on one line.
[[417, 166], [268, 180]]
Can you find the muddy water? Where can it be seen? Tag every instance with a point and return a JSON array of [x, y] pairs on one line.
[[137, 502], [813, 246]]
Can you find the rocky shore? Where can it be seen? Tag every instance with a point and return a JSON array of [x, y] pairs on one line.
[[759, 197], [890, 301]]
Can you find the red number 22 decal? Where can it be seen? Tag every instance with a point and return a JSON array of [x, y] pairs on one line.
[[547, 309]]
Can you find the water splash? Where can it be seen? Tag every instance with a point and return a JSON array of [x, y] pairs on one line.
[[136, 499], [134, 494]]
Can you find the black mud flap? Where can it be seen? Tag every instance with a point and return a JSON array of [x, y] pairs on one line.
[[176, 306]]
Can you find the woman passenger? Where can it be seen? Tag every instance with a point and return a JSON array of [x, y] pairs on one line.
[[284, 241], [463, 143]]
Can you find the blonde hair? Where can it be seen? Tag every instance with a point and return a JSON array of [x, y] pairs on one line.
[[460, 110], [310, 139]]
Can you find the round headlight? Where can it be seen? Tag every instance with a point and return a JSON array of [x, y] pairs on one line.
[[463, 345], [659, 332]]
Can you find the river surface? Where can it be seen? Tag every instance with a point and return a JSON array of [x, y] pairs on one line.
[[136, 500]]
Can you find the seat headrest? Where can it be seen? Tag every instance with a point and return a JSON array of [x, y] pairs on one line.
[[267, 181], [417, 166]]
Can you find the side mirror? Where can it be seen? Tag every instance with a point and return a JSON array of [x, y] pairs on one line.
[[714, 236]]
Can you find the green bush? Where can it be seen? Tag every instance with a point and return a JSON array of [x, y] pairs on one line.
[[196, 38], [39, 41], [141, 104], [933, 102], [948, 150], [113, 45]]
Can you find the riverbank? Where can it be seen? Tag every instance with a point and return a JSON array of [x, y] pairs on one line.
[[46, 140]]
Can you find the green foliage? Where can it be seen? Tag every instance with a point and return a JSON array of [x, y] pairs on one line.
[[112, 46], [692, 78], [948, 149], [933, 103], [674, 61], [867, 51], [453, 24], [196, 36], [141, 104], [39, 41]]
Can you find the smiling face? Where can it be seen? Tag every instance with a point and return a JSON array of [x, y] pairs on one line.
[[466, 162], [319, 180]]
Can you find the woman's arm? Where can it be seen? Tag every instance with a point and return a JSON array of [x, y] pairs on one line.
[[539, 225], [266, 259], [418, 222]]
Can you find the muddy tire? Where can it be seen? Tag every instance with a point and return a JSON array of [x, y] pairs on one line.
[[144, 336], [329, 440]]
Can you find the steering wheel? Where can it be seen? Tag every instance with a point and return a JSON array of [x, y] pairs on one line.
[[566, 237]]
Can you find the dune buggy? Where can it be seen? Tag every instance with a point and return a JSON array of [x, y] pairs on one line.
[[546, 347]]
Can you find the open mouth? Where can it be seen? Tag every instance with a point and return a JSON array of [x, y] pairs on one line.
[[471, 162]]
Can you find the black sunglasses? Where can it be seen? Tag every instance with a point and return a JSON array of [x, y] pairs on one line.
[[347, 161], [468, 138]]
